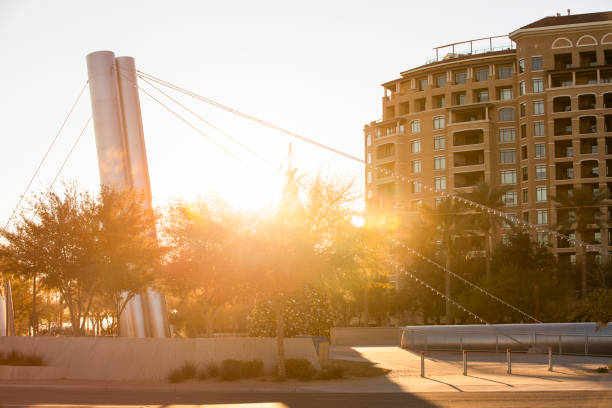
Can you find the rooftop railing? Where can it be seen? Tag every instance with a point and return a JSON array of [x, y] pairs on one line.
[[472, 47]]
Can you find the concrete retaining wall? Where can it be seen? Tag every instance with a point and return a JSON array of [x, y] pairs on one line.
[[366, 336], [116, 359]]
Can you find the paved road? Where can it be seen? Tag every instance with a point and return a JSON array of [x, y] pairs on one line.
[[19, 396]]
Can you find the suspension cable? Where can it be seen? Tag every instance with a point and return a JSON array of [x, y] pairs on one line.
[[484, 208], [40, 164]]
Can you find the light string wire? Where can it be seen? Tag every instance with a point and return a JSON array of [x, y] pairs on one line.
[[40, 164], [467, 282], [498, 213]]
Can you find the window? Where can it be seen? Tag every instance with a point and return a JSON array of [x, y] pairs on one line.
[[460, 98], [538, 107], [510, 198], [440, 183], [540, 171], [525, 195], [438, 201], [482, 95], [522, 88], [439, 163], [422, 84], [440, 81], [538, 129], [523, 109], [526, 216], [525, 174], [508, 176], [538, 85], [368, 140], [416, 186], [507, 156], [505, 94], [541, 193], [504, 72], [369, 158], [542, 217], [460, 77], [439, 142], [482, 75], [521, 66], [536, 63], [506, 114], [416, 166], [506, 135], [523, 131], [415, 146], [369, 193], [369, 177], [542, 238], [439, 122], [415, 126], [524, 152], [540, 150]]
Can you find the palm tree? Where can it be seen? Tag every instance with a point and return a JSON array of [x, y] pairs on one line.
[[448, 220], [491, 197], [579, 208]]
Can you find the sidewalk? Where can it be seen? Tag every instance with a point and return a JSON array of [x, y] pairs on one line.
[[443, 370]]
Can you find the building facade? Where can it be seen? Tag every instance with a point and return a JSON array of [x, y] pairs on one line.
[[534, 114]]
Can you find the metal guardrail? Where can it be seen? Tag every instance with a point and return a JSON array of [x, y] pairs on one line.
[[567, 343]]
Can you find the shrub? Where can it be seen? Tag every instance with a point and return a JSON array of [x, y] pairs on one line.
[[202, 375], [251, 369], [299, 368], [331, 373], [17, 358], [186, 372], [212, 370], [230, 370], [602, 369]]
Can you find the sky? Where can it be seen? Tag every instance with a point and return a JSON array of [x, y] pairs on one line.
[[313, 67]]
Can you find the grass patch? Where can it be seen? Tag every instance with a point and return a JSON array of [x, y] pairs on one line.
[[17, 358], [349, 368]]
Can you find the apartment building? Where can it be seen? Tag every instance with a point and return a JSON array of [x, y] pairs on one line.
[[531, 110]]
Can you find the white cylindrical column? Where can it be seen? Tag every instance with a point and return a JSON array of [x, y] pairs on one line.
[[108, 124]]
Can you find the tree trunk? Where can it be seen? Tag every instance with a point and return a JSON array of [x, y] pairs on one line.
[[488, 249], [280, 338], [34, 317], [447, 282], [583, 271]]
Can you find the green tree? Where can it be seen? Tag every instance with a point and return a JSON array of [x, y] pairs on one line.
[[576, 210]]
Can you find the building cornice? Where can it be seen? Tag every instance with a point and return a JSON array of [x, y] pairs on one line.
[[563, 27]]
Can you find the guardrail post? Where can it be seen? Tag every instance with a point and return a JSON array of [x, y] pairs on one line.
[[550, 358], [509, 360], [422, 364], [464, 362]]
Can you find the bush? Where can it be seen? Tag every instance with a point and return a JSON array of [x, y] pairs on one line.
[[186, 372], [331, 373], [202, 375], [230, 370], [251, 369], [212, 370], [17, 358], [299, 368], [602, 369]]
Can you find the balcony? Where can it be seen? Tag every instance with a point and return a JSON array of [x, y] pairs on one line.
[[588, 59], [588, 124], [605, 76], [607, 123], [562, 104], [607, 100], [563, 61], [589, 169], [468, 137], [385, 150], [608, 145], [608, 168], [588, 146], [586, 102], [564, 149], [559, 80], [439, 101], [586, 77], [385, 170], [468, 179], [563, 127], [469, 158], [564, 171]]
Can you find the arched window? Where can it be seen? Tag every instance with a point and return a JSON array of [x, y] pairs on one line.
[[607, 39], [561, 42], [506, 114], [586, 40]]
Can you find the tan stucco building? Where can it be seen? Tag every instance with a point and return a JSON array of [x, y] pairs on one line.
[[534, 113]]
